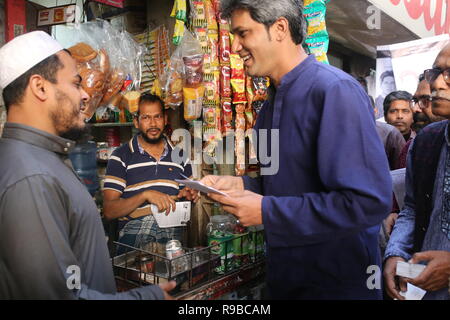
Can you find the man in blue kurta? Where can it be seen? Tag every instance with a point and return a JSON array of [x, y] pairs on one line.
[[323, 207]]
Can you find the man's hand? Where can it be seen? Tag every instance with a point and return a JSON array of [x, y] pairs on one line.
[[394, 284], [189, 194], [161, 200], [437, 273], [224, 183], [389, 222], [245, 205], [166, 287]]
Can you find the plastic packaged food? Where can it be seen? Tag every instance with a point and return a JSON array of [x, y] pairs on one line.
[[224, 47], [193, 70], [240, 140], [225, 81], [227, 117], [193, 99]]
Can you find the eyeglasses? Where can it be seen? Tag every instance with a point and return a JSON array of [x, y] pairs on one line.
[[432, 74], [147, 118], [422, 101]]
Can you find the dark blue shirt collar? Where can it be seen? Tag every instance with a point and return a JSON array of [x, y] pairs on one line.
[[294, 73]]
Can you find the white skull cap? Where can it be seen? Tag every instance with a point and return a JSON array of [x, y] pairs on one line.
[[24, 52]]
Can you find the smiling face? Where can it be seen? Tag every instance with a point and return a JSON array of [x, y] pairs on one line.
[[440, 90], [400, 116], [68, 101], [254, 43]]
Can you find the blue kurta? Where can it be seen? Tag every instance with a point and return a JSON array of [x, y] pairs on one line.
[[323, 208]]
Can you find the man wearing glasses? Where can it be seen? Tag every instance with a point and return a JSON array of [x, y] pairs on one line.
[[421, 103], [422, 231], [141, 172], [423, 115]]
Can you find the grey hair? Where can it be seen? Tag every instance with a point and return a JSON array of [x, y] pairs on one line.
[[268, 11]]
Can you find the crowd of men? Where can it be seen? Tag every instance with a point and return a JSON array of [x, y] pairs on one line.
[[322, 211]]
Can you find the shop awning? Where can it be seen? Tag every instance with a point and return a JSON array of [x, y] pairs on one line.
[[347, 25]]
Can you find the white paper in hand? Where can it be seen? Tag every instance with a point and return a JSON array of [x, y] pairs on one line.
[[178, 218], [197, 185], [409, 270], [413, 293]]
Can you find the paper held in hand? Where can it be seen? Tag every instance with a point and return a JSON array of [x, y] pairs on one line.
[[197, 185], [178, 218], [409, 270]]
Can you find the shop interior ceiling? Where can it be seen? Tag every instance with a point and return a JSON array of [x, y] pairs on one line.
[[347, 25]]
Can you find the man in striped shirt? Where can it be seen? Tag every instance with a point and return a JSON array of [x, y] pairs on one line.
[[141, 172]]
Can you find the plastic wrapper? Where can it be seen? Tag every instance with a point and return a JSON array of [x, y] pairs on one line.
[[202, 37], [210, 15], [211, 123], [183, 69], [198, 16], [237, 67], [317, 40], [240, 140], [193, 66], [224, 24], [249, 90], [227, 116], [319, 47], [171, 86], [193, 101], [238, 79], [212, 88], [179, 10], [224, 47], [225, 81], [260, 88], [178, 32], [117, 57]]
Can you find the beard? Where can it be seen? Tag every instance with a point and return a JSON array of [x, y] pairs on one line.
[[65, 121], [151, 140], [421, 120], [77, 134]]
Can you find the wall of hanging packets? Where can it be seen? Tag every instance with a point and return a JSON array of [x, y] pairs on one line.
[[205, 77]]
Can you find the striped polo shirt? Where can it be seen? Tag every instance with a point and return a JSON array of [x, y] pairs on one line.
[[132, 170]]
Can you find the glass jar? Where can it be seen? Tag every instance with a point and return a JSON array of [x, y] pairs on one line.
[[220, 235]]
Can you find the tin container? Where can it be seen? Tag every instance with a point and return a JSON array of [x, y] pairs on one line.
[[174, 249], [102, 150], [176, 254]]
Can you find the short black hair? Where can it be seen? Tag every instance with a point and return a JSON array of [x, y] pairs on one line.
[[388, 73], [47, 68], [268, 11], [394, 96], [150, 98]]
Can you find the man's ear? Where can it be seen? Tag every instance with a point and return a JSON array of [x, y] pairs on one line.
[[39, 87], [281, 29]]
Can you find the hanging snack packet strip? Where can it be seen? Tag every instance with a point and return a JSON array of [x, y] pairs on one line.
[[317, 40], [240, 140]]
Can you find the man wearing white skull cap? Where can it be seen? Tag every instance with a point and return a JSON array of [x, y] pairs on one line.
[[52, 242]]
